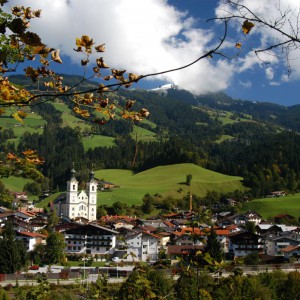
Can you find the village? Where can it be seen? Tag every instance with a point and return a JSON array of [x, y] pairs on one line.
[[130, 239]]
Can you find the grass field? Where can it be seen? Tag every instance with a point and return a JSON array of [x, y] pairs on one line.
[[15, 184], [97, 141], [33, 123], [270, 207], [164, 180]]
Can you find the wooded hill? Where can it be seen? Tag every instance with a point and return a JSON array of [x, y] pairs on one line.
[[257, 141]]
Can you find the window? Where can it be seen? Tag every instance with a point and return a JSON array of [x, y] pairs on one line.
[[73, 186], [93, 188]]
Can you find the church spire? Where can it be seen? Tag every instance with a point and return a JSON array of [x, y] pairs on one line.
[[73, 172], [92, 174]]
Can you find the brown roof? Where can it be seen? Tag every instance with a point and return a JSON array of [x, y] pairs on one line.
[[290, 248], [33, 234], [182, 249]]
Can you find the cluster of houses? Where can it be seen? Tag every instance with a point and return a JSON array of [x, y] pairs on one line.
[[174, 235], [135, 239]]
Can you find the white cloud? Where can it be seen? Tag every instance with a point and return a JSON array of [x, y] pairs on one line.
[[140, 36], [270, 73], [271, 12], [152, 35], [274, 83], [246, 84]]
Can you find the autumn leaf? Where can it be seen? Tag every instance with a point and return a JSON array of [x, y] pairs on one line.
[[238, 45], [129, 104], [100, 48], [86, 42], [102, 88], [247, 26], [55, 56], [103, 103], [22, 114], [17, 117], [31, 39], [29, 153], [101, 64], [144, 112], [133, 77], [32, 73], [17, 26], [84, 62]]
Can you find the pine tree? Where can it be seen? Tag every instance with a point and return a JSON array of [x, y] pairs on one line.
[[13, 255], [213, 246]]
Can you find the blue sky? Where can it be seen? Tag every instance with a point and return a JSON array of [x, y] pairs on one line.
[[146, 36]]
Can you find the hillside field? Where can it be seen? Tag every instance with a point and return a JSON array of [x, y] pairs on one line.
[[270, 207], [164, 180]]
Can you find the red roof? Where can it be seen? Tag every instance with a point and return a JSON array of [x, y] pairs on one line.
[[33, 234]]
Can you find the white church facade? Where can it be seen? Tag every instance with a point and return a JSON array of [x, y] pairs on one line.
[[78, 204]]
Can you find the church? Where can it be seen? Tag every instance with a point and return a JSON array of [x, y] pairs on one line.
[[78, 204]]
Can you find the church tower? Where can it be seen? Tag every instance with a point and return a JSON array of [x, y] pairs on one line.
[[91, 190], [72, 192]]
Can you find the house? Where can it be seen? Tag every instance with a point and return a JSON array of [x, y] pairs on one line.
[[90, 239], [291, 252], [179, 251], [275, 244], [142, 245], [282, 218], [222, 236], [105, 185], [253, 216], [231, 202], [30, 239], [278, 194], [244, 242]]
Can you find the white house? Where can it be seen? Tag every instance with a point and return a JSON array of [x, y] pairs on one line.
[[90, 239], [143, 245], [30, 239]]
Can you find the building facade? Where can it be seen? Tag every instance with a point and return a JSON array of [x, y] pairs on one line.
[[79, 204]]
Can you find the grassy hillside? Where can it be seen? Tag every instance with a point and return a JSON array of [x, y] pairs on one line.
[[15, 184], [270, 207], [164, 180]]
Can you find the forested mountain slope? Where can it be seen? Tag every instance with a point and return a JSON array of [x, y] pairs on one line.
[[258, 141]]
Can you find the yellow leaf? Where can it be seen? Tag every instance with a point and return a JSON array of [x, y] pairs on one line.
[[238, 45], [55, 56], [247, 26], [17, 117], [133, 77]]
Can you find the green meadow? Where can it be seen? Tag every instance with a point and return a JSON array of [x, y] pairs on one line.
[[163, 180], [270, 207], [15, 184]]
